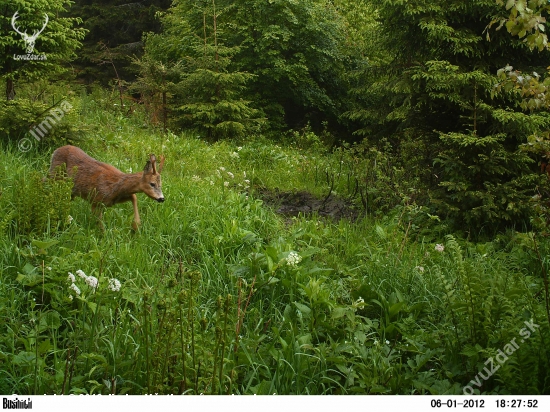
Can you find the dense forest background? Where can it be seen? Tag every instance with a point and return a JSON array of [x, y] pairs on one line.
[[419, 127], [419, 81]]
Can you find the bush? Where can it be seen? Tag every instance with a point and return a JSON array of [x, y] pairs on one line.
[[41, 205], [24, 118]]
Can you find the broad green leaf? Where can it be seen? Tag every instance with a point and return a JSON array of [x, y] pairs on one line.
[[396, 308], [29, 269], [339, 312], [92, 306], [43, 245], [303, 308], [50, 320]]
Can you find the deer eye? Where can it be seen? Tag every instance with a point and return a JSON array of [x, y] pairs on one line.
[[152, 184]]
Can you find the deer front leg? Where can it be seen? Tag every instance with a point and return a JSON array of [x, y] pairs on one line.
[[137, 221], [97, 210]]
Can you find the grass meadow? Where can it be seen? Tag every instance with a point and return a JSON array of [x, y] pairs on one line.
[[219, 294]]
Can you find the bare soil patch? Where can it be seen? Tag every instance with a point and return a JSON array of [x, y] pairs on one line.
[[295, 203]]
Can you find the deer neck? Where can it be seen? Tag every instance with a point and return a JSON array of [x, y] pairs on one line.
[[130, 183]]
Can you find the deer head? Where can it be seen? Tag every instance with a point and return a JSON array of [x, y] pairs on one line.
[[150, 181], [29, 40]]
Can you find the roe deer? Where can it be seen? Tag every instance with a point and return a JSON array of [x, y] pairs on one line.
[[103, 184]]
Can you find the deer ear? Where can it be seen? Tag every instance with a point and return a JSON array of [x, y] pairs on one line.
[[149, 167], [153, 159], [161, 165]]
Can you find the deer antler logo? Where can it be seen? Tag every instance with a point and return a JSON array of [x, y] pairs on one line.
[[29, 40]]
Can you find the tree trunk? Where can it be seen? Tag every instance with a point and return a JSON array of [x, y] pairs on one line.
[[10, 89]]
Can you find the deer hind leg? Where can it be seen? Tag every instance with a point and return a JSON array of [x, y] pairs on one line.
[[97, 210], [137, 221]]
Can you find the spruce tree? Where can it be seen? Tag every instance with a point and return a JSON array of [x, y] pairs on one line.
[[57, 42], [434, 97], [207, 92]]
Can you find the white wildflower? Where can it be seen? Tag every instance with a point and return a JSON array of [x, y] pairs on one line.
[[49, 268], [69, 219], [293, 258], [196, 178], [420, 269], [70, 297], [234, 155], [359, 301], [71, 277], [114, 285], [239, 148], [81, 274], [231, 175], [222, 169], [226, 184], [387, 342], [75, 288], [91, 281], [439, 247], [211, 183]]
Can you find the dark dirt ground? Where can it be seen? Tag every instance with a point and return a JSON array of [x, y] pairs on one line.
[[291, 204]]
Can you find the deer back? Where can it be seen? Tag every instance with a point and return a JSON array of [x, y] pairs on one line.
[[100, 182], [92, 180]]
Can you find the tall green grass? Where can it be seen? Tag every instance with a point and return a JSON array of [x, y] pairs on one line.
[[220, 295]]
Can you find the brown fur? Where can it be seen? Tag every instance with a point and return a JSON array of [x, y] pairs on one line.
[[103, 184]]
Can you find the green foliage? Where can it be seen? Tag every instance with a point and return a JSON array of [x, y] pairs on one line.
[[17, 117], [433, 97], [484, 185], [487, 313], [58, 41], [525, 19], [212, 104], [241, 62], [236, 300], [38, 123], [41, 205], [155, 87], [119, 25], [207, 91], [295, 50], [216, 294]]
